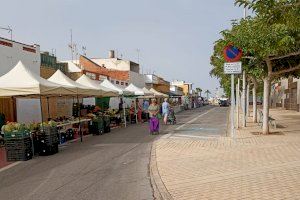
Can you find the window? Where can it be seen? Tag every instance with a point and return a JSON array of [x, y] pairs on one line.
[[101, 77], [122, 83], [126, 84], [117, 82], [8, 44], [91, 75]]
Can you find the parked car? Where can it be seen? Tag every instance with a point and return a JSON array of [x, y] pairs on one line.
[[223, 103]]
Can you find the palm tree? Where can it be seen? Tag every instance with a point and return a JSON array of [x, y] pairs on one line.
[[199, 90], [207, 92]]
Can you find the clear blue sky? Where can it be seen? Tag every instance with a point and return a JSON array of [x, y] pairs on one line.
[[175, 37]]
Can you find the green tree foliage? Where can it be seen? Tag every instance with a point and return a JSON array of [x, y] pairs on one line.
[[270, 41]]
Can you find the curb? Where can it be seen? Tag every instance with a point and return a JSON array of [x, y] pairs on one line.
[[159, 189]]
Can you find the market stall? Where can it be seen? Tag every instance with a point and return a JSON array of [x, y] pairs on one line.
[[176, 102], [158, 94], [81, 91], [21, 82], [137, 92], [122, 93]]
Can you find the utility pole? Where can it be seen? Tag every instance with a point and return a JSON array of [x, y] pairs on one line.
[[71, 45], [138, 59], [232, 106]]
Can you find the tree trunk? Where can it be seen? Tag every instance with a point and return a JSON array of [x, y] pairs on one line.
[[244, 100], [266, 105], [254, 104], [247, 99], [238, 103]]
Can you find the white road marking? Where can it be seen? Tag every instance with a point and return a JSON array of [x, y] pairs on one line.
[[191, 121], [10, 166]]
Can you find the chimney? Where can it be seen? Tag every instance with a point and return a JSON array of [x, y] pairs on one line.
[[111, 54]]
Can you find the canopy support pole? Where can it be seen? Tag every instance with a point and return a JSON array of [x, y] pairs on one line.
[[124, 113], [42, 119], [135, 111], [79, 113], [48, 107]]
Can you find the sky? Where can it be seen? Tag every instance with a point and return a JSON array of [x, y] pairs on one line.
[[175, 37]]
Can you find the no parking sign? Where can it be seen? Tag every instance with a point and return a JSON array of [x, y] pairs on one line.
[[232, 53]]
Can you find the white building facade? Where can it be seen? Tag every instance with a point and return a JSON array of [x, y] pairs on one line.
[[12, 52]]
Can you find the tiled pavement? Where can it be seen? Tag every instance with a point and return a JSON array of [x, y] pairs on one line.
[[250, 167]]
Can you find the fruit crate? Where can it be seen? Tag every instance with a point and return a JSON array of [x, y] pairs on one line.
[[18, 155], [16, 134], [97, 126], [49, 130], [18, 144], [48, 139], [48, 149]]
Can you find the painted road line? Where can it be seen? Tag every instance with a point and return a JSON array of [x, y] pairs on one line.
[[191, 121], [10, 166]]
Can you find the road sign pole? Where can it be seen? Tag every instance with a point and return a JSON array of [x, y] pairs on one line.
[[232, 106], [238, 103]]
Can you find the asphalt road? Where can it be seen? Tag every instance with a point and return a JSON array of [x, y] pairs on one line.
[[111, 166]]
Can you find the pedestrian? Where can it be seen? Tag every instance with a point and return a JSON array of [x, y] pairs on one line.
[[145, 109], [139, 111], [153, 112], [132, 112], [165, 110]]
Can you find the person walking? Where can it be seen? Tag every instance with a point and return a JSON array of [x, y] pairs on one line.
[[145, 109], [132, 112], [139, 111], [154, 121], [165, 110]]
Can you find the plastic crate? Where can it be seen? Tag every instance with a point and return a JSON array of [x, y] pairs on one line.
[[48, 149], [18, 144], [48, 139], [49, 130], [18, 155], [16, 135], [97, 126]]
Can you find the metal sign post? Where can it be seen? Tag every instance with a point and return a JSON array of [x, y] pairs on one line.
[[232, 68], [232, 106], [232, 55]]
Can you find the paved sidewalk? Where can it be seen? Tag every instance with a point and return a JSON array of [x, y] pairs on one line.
[[250, 167]]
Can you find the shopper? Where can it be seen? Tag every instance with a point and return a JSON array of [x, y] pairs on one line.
[[165, 110], [132, 112], [145, 109], [139, 111], [153, 112]]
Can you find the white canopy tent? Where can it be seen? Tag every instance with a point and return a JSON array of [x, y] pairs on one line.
[[158, 94], [148, 93], [105, 91], [21, 81], [135, 90], [138, 92], [60, 78], [123, 92]]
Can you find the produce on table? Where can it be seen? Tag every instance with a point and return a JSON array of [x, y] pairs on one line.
[[13, 127]]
